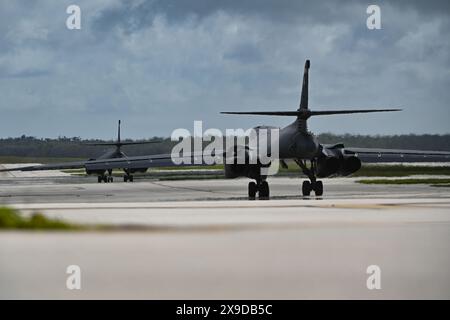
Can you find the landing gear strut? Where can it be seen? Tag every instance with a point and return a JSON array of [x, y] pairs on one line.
[[312, 184], [109, 178], [261, 187]]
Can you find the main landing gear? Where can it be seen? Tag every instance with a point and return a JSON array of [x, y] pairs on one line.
[[313, 184], [105, 179], [261, 187], [128, 177]]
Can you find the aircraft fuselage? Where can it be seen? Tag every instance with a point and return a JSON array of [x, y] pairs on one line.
[[296, 144]]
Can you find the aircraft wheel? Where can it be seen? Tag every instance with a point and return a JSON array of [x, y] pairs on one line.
[[264, 191], [131, 178], [99, 179], [252, 189], [125, 178], [110, 179], [306, 188], [105, 179], [318, 188]]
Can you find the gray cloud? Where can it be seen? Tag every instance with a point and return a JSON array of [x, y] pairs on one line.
[[159, 65]]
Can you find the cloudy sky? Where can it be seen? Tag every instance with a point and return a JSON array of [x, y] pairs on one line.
[[161, 64]]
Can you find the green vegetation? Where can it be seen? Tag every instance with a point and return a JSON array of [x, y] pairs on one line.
[[433, 181], [404, 141], [74, 148], [18, 159], [370, 170], [385, 170], [11, 219]]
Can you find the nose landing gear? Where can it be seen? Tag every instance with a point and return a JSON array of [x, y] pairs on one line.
[[105, 179], [261, 187]]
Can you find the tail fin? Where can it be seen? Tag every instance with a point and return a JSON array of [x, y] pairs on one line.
[[303, 113], [118, 133], [119, 142], [305, 87], [302, 123]]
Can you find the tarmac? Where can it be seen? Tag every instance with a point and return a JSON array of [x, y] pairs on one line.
[[202, 239]]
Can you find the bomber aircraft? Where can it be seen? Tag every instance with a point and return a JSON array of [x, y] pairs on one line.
[[295, 143], [115, 153]]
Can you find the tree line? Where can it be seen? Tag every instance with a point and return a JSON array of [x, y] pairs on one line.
[[26, 146]]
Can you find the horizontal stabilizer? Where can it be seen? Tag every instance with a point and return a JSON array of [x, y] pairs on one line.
[[306, 113], [119, 143]]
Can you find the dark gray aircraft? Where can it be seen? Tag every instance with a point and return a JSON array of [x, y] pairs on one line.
[[298, 144], [295, 143], [115, 153]]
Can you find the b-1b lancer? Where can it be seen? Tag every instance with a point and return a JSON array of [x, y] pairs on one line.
[[295, 143], [101, 172]]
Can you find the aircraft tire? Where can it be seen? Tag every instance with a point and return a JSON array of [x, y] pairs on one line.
[[264, 191], [306, 188], [318, 188], [252, 189]]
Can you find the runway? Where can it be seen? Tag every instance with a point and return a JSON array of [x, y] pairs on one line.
[[203, 239], [86, 189]]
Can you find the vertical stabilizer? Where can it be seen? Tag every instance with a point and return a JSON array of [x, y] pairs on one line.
[[118, 133], [304, 93], [302, 125]]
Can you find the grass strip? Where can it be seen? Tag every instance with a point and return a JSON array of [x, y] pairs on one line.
[[431, 181], [11, 219]]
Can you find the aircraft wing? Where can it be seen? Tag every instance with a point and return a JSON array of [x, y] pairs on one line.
[[137, 162], [50, 166], [195, 159], [151, 161], [397, 155]]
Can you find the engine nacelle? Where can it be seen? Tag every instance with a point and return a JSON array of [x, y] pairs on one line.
[[327, 166], [337, 166], [349, 165]]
